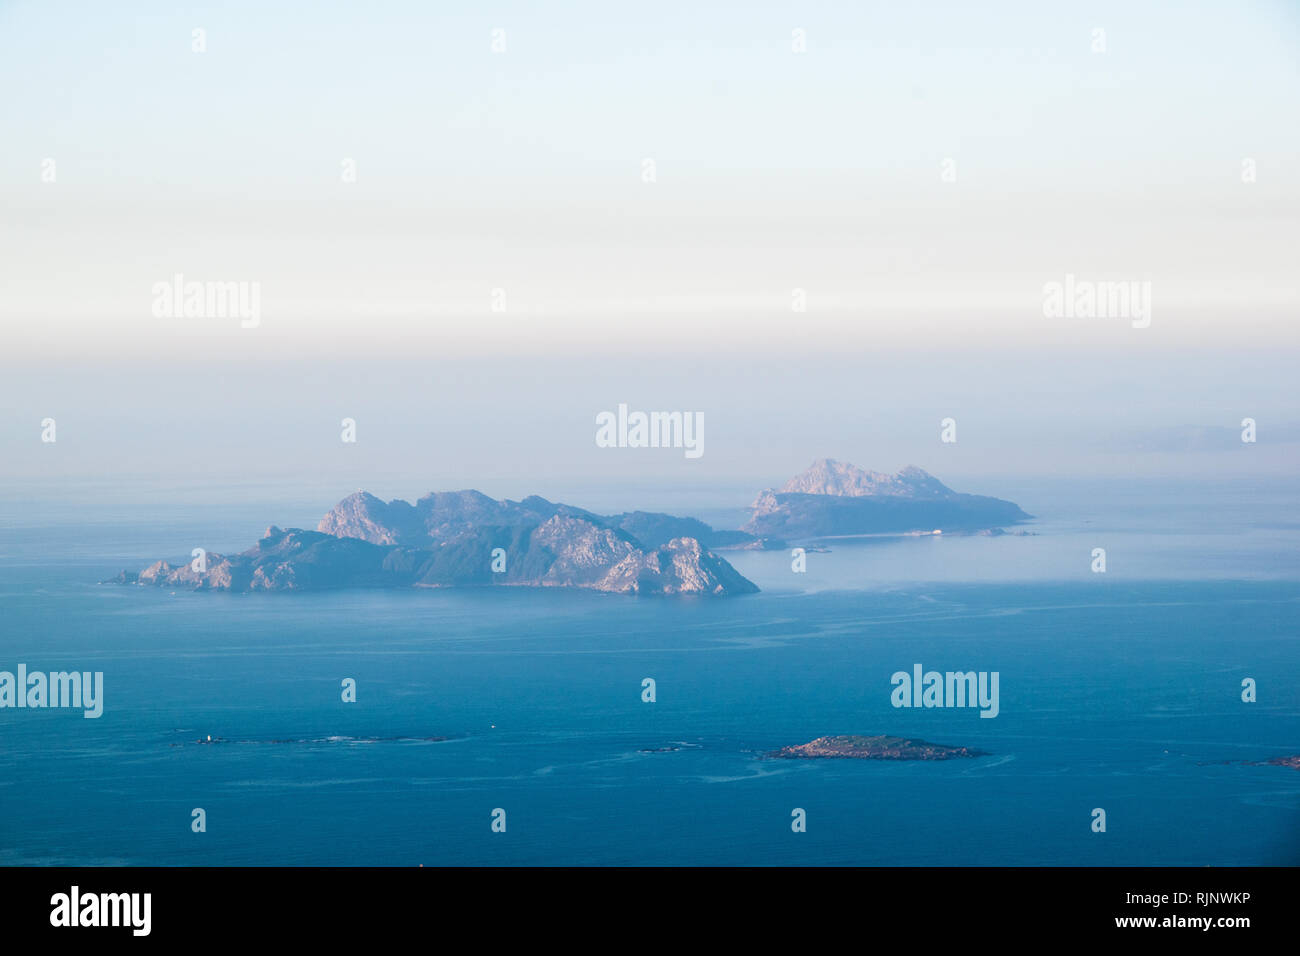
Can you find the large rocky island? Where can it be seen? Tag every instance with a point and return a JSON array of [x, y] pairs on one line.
[[875, 747], [465, 538], [834, 498]]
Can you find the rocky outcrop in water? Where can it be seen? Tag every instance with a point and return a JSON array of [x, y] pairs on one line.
[[877, 747]]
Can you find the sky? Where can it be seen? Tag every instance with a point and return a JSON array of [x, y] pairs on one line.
[[499, 269]]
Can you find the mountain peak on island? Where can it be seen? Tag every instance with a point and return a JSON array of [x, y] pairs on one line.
[[826, 476], [836, 499], [467, 539]]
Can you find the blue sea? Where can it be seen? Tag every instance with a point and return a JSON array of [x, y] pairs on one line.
[[1120, 691]]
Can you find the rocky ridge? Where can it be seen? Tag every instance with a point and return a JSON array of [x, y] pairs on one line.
[[464, 538]]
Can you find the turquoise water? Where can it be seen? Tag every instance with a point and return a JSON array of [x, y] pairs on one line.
[[1119, 691]]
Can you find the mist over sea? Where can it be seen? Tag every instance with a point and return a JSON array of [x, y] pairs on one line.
[[1119, 690]]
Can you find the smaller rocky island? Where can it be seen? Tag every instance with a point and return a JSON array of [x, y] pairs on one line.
[[875, 747], [834, 499]]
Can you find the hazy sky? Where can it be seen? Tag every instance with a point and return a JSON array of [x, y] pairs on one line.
[[920, 172]]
